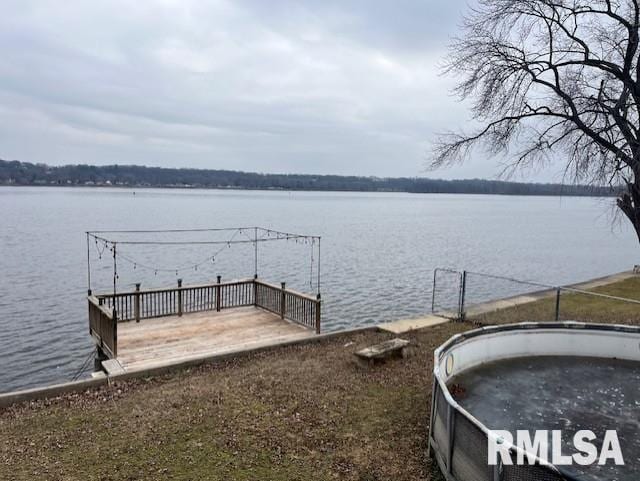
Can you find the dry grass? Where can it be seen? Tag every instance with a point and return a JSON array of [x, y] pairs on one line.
[[303, 412], [576, 307]]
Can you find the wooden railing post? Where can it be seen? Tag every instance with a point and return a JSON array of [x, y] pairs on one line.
[[218, 307], [136, 304], [283, 303], [318, 314], [255, 290], [179, 297]]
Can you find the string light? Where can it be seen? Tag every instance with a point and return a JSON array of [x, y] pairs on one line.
[[177, 270], [101, 244]]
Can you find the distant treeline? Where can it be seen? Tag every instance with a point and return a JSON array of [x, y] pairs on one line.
[[24, 173]]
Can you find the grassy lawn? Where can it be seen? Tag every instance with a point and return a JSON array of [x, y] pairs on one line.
[[576, 307], [303, 412]]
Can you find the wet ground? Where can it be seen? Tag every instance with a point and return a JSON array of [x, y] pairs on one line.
[[561, 393]]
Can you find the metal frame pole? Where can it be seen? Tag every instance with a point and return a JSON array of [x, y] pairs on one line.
[[115, 274], [255, 252], [88, 267], [318, 267]]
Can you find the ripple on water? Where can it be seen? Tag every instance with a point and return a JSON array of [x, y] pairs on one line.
[[378, 253]]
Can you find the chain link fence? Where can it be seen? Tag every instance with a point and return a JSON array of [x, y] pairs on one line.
[[485, 298]]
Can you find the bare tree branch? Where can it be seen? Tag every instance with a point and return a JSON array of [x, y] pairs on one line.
[[553, 77]]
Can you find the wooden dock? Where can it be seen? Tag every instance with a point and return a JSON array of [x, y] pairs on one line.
[[174, 339], [144, 329]]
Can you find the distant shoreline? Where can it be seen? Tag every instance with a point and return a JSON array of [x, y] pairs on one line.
[[262, 189], [16, 173]]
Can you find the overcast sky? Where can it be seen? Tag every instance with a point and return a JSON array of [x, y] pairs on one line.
[[326, 86]]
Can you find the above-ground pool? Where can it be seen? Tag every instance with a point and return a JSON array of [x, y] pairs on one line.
[[563, 377]]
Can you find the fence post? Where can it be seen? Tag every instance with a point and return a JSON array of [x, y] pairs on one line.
[[463, 290], [136, 305], [318, 314], [179, 297], [557, 303], [433, 291], [218, 294], [283, 302]]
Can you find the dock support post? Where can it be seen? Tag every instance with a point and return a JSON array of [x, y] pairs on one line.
[[318, 314], [557, 304], [179, 297], [283, 302], [99, 357], [136, 305], [218, 307]]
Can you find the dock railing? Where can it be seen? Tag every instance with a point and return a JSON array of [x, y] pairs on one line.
[[175, 301], [103, 326], [295, 306]]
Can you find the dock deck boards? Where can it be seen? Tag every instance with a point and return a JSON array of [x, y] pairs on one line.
[[173, 339]]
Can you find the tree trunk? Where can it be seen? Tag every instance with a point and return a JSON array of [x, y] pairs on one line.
[[629, 203]]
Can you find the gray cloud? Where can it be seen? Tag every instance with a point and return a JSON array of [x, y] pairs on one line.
[[280, 86]]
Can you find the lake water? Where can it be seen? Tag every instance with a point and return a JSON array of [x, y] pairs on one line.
[[378, 254]]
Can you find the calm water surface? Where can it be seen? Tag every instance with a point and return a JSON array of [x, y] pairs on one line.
[[378, 254]]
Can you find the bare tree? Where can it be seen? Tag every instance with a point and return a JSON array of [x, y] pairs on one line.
[[550, 78]]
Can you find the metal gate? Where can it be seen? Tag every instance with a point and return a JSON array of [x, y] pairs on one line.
[[447, 298]]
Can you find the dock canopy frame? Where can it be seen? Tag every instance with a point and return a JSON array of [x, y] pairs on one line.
[[250, 235], [108, 309]]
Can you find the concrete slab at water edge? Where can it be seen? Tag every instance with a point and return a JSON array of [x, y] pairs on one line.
[[406, 325]]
